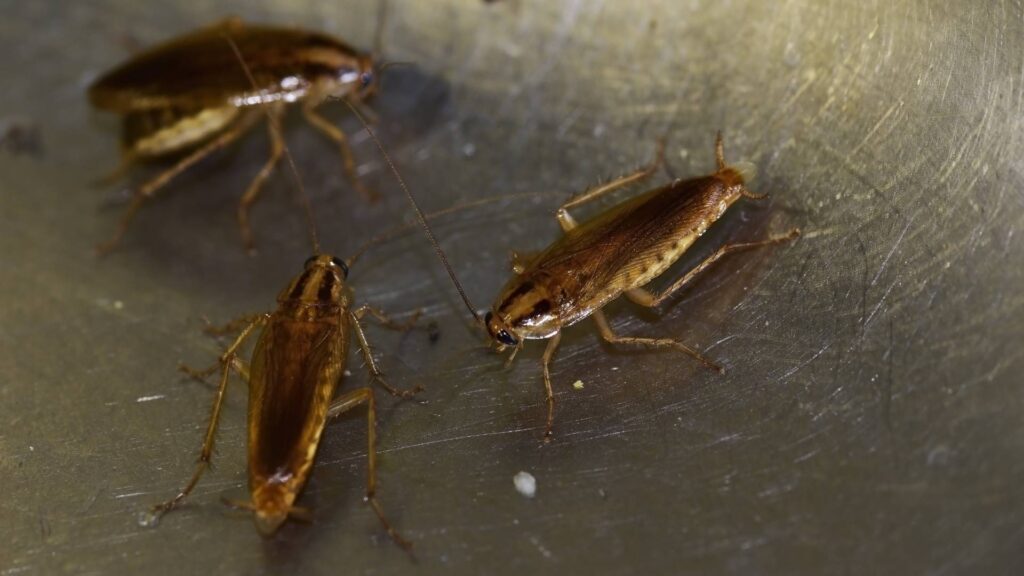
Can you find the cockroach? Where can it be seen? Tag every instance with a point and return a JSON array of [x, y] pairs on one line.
[[187, 97], [296, 367], [617, 252]]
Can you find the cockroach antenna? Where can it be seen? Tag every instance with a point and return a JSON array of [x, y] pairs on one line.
[[419, 214]]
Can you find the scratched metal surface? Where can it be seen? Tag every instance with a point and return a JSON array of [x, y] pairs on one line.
[[870, 420]]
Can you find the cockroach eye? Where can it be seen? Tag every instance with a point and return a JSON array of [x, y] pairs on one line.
[[366, 78], [506, 338], [340, 264]]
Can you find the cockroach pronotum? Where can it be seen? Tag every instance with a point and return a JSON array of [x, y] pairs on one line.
[[187, 96]]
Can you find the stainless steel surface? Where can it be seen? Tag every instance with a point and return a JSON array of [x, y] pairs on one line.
[[870, 420]]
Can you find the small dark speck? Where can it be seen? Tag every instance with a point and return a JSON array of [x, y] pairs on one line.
[[433, 332], [21, 136]]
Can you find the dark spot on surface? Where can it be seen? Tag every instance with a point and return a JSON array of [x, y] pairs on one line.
[[21, 136], [433, 332], [644, 270], [659, 257]]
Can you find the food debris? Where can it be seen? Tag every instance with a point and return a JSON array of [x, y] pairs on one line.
[[526, 484], [578, 385]]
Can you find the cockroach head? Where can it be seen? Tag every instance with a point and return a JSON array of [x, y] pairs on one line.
[[329, 262], [369, 78], [500, 331]]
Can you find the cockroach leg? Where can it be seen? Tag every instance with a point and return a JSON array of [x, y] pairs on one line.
[[226, 361], [127, 161], [276, 151], [348, 160], [594, 193], [344, 403], [386, 320], [231, 327], [240, 367], [549, 353], [199, 375], [371, 364], [646, 298], [147, 190], [606, 332]]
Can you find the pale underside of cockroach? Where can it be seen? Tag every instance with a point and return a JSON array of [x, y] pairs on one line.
[[189, 97], [615, 253], [296, 368]]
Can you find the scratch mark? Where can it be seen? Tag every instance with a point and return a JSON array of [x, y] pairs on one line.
[[130, 494], [892, 251], [887, 399], [879, 305], [458, 438], [141, 399], [801, 365], [896, 106]]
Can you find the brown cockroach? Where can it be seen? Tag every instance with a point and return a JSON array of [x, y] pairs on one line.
[[617, 252], [187, 96], [296, 367]]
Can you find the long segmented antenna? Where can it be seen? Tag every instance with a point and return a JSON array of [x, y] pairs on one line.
[[419, 213], [399, 230], [301, 190]]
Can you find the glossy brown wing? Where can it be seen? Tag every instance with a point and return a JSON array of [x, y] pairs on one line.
[[608, 254], [295, 371], [200, 68]]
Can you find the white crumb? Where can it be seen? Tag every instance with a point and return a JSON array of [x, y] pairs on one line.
[[526, 484]]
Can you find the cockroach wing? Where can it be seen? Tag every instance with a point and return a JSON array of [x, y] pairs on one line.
[[622, 247], [295, 370], [200, 69]]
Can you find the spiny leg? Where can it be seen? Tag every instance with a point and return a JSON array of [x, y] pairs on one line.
[[646, 298], [241, 368], [226, 361], [276, 150], [720, 151], [344, 403], [606, 332], [549, 353], [385, 320], [568, 222], [231, 326], [348, 160], [118, 172], [147, 190], [371, 364]]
